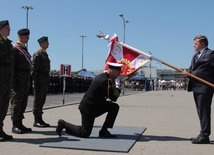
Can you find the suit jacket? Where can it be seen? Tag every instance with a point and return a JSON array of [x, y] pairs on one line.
[[204, 69], [94, 100]]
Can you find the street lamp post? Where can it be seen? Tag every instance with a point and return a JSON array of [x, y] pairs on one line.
[[159, 81], [82, 36], [27, 8], [150, 74], [124, 27], [150, 66]]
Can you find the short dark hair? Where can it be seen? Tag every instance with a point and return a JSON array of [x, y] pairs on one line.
[[202, 38]]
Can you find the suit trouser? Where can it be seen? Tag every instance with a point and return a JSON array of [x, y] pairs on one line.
[[88, 121], [203, 105]]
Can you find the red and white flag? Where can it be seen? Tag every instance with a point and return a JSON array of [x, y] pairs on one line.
[[131, 58]]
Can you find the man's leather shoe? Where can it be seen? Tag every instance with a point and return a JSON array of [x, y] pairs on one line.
[[194, 138], [17, 130], [201, 140], [5, 137], [106, 134], [41, 124], [60, 127], [25, 129]]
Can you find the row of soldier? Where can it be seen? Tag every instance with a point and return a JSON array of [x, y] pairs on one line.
[[73, 84], [16, 68]]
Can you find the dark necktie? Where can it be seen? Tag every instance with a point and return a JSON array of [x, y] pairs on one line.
[[197, 56]]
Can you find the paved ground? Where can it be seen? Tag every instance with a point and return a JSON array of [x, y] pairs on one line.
[[169, 116]]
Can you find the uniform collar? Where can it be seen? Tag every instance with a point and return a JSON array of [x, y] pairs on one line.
[[5, 38], [43, 50], [20, 43]]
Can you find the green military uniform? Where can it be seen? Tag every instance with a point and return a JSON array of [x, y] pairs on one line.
[[5, 76], [6, 57], [20, 79], [40, 76]]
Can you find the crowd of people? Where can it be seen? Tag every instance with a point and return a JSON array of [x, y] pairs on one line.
[[168, 85]]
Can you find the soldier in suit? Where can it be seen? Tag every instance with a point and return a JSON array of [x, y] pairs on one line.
[[40, 76], [99, 99], [202, 66], [20, 79], [5, 75]]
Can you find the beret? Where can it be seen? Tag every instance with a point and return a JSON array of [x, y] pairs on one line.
[[4, 23], [23, 32], [42, 39]]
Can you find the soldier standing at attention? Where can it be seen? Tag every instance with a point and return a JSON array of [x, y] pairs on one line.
[[20, 82], [5, 75], [40, 76]]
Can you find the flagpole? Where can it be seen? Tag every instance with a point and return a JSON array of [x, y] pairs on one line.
[[163, 62], [181, 70]]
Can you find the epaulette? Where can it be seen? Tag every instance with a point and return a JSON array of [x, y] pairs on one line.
[[36, 54]]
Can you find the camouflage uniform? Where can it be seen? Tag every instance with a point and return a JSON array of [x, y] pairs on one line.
[[20, 79], [40, 76], [5, 76]]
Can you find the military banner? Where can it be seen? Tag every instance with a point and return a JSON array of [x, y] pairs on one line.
[[131, 58]]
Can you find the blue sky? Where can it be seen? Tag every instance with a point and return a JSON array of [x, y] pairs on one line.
[[164, 27]]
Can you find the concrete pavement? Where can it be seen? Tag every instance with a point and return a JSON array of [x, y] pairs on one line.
[[169, 116]]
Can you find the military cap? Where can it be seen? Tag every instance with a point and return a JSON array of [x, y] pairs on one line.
[[42, 39], [4, 23], [23, 32], [115, 66]]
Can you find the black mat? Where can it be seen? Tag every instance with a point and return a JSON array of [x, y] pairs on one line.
[[126, 138]]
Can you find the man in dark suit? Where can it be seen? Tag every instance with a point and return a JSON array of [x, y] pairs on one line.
[[202, 66], [99, 99]]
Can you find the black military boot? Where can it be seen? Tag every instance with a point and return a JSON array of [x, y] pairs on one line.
[[17, 128], [105, 133], [60, 127], [24, 128], [4, 136], [40, 123]]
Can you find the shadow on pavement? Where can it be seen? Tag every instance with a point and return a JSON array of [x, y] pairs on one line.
[[39, 140], [146, 138]]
